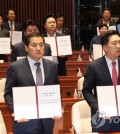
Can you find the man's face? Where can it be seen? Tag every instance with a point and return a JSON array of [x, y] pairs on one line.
[[1, 21], [103, 30], [31, 29], [60, 22], [112, 49], [106, 15], [50, 25], [35, 49], [11, 15]]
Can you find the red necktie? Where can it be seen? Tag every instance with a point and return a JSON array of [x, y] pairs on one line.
[[114, 74], [11, 26]]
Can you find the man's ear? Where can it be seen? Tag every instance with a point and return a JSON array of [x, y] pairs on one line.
[[105, 48], [26, 48]]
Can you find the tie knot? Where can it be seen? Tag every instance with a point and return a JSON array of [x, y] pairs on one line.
[[37, 64], [113, 63], [11, 23]]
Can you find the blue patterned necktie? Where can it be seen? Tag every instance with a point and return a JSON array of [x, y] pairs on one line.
[[39, 80]]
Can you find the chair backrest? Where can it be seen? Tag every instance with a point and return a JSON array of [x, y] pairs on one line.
[[80, 86], [2, 87], [2, 125], [81, 117]]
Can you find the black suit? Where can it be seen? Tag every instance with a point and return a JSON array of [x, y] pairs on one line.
[[4, 33], [61, 60], [18, 50], [17, 26], [19, 75], [97, 74], [66, 31]]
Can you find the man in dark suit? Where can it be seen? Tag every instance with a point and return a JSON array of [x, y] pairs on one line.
[[106, 16], [3, 33], [21, 73], [11, 16], [99, 73], [97, 39], [18, 50], [50, 31], [60, 22]]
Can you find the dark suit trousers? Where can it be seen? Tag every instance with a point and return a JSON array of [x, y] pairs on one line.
[[30, 127], [106, 125]]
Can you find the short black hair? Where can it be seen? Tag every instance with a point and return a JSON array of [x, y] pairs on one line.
[[28, 37], [7, 12], [106, 9], [30, 22], [48, 16], [103, 25], [105, 37], [58, 15]]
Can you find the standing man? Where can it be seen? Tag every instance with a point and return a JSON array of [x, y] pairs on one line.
[[99, 73], [18, 50], [3, 33], [50, 31], [60, 25], [11, 24], [22, 73]]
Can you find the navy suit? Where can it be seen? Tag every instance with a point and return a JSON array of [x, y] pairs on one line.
[[17, 26], [18, 50], [97, 74], [19, 75], [95, 40]]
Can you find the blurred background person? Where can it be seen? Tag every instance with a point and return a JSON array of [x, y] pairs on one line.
[[18, 50], [97, 39], [60, 25], [3, 33]]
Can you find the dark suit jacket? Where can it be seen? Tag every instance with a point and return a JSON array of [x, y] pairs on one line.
[[19, 75], [66, 31], [97, 74], [18, 50], [18, 27], [95, 40]]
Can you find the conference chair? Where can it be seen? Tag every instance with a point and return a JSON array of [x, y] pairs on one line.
[[81, 117]]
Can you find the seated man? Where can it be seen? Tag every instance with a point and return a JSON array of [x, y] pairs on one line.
[[97, 39], [18, 50]]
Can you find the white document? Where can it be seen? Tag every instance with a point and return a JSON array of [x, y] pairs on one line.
[[112, 27], [24, 103], [64, 45], [20, 57], [49, 101], [97, 51], [107, 100], [48, 57], [52, 42], [5, 45], [16, 37], [37, 102]]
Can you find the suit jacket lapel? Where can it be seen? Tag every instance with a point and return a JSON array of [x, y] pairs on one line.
[[104, 68], [27, 71], [118, 71]]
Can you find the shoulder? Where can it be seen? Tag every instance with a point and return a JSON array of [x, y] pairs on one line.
[[18, 45], [59, 34], [49, 62]]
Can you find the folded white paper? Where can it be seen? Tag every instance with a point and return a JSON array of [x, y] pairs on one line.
[[37, 102]]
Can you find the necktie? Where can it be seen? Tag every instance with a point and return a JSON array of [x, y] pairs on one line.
[[11, 26], [39, 81], [114, 74]]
